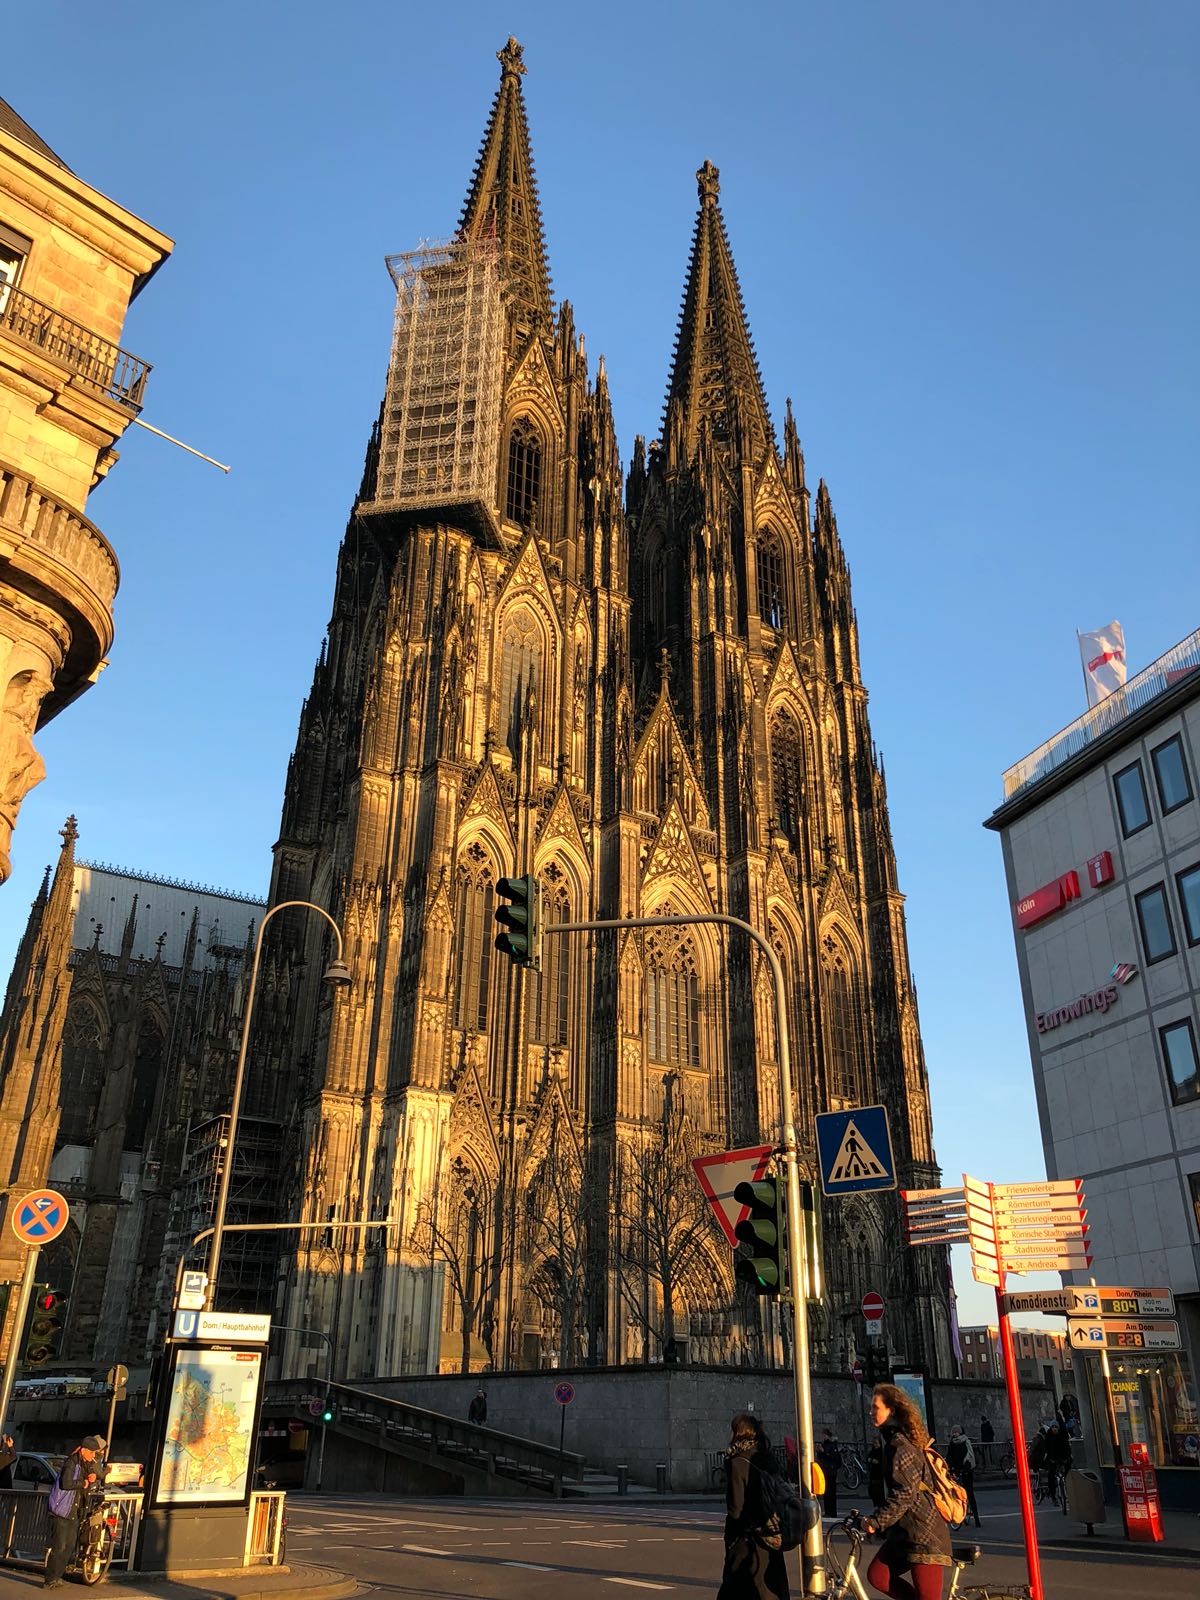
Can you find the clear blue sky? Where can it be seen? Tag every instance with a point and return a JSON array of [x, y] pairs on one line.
[[967, 239]]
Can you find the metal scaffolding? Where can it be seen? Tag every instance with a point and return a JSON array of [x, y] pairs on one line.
[[441, 415]]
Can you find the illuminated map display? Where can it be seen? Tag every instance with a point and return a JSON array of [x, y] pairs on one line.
[[210, 1426]]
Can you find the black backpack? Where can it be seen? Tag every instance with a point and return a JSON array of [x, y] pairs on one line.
[[783, 1509]]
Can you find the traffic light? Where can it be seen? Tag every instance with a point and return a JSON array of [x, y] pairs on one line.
[[760, 1262], [45, 1326], [327, 1414], [521, 922], [876, 1367], [814, 1243]]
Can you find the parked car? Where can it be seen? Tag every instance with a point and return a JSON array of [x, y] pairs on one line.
[[32, 1470]]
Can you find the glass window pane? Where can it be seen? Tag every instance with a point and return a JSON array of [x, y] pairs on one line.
[[1179, 1052], [1170, 773], [1157, 938], [1189, 899], [1131, 799]]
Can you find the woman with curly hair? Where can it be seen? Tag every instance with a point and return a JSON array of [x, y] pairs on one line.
[[918, 1540], [752, 1571]]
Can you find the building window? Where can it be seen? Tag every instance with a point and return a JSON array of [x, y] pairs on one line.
[[524, 473], [473, 946], [82, 1075], [839, 1014], [520, 659], [1131, 799], [14, 247], [672, 1003], [553, 992], [1189, 899], [772, 592], [1158, 937], [1194, 1186], [1179, 1053], [1171, 775], [787, 778]]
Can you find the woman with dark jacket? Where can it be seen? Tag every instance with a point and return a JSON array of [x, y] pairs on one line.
[[751, 1571], [918, 1541]]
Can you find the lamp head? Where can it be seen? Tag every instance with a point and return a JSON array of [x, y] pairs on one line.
[[338, 975]]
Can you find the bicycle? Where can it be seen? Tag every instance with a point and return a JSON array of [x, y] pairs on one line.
[[851, 1471], [847, 1584], [97, 1538], [1008, 1461]]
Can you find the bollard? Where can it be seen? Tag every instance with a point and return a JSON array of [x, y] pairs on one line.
[[622, 1480], [660, 1477]]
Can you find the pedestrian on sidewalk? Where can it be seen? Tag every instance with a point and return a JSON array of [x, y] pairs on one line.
[[477, 1410], [751, 1570], [987, 1435], [918, 1541], [829, 1459], [960, 1458], [8, 1454], [76, 1473], [876, 1487]]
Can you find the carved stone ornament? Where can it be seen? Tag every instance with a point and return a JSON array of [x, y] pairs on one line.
[[21, 764]]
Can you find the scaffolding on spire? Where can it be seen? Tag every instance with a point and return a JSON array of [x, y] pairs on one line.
[[440, 433]]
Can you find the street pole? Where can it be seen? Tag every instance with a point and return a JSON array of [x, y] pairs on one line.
[[1109, 1405], [812, 1547], [336, 973], [24, 1295], [1033, 1562]]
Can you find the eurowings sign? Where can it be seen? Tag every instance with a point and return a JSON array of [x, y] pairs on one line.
[[1095, 1000]]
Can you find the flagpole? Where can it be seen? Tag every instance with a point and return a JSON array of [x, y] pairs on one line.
[[1087, 686]]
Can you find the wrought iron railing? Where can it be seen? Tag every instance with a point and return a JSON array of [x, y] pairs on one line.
[[1114, 709], [115, 372]]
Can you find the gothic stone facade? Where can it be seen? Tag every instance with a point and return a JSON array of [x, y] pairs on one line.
[[648, 694]]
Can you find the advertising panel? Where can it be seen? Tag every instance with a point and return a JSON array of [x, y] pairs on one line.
[[212, 1412]]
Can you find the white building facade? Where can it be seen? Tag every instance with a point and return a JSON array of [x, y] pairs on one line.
[[1101, 835]]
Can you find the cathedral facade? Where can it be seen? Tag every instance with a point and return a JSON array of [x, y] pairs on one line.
[[645, 690]]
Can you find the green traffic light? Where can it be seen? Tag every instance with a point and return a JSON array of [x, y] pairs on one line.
[[761, 1236], [327, 1414], [521, 942]]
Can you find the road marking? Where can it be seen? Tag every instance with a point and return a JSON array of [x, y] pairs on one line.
[[655, 1539], [639, 1583], [529, 1566], [596, 1544], [422, 1550]]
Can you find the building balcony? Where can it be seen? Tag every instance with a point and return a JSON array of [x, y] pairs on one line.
[[55, 557], [1113, 710], [111, 371]]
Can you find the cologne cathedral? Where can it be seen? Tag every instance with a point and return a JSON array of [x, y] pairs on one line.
[[643, 689], [647, 694]]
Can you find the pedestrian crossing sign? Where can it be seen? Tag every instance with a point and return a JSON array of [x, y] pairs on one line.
[[855, 1148]]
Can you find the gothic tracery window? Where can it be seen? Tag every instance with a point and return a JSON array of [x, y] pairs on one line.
[[552, 995], [82, 1075], [787, 777], [524, 473], [843, 1036], [520, 672], [672, 1002], [147, 1070], [473, 940], [772, 581]]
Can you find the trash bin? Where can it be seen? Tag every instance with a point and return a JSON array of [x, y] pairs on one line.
[[660, 1477], [623, 1480], [1085, 1496]]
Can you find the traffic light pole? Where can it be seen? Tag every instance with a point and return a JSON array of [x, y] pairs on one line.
[[812, 1548], [24, 1295]]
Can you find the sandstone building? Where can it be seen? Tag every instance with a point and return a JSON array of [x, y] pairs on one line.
[[648, 694], [71, 260]]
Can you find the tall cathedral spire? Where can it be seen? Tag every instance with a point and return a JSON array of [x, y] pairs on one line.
[[502, 201], [714, 375]]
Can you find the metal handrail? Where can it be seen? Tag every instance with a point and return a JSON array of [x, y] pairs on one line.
[[96, 361], [1114, 709]]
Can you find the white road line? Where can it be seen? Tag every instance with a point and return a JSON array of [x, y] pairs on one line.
[[639, 1583], [425, 1550], [655, 1539], [597, 1544], [529, 1566]]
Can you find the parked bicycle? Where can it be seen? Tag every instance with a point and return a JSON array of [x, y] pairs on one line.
[[851, 1472], [846, 1582], [97, 1537]]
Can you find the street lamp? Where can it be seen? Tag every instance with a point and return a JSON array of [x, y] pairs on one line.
[[338, 974]]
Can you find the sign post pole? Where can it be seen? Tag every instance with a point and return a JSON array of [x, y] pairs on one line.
[[564, 1393], [24, 1295], [36, 1218], [1012, 1383]]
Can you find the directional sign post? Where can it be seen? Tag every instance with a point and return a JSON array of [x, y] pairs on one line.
[[37, 1218], [1117, 1333], [1095, 1300], [855, 1149]]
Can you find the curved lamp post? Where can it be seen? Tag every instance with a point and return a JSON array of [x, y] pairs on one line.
[[338, 974]]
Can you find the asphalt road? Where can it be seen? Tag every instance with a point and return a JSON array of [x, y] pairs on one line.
[[451, 1549]]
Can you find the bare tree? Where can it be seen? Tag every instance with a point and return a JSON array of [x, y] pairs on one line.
[[665, 1226], [461, 1227], [557, 1235]]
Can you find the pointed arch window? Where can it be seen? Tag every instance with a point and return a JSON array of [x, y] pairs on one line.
[[147, 1071], [524, 473], [672, 1003], [473, 942], [787, 777], [772, 581], [520, 671], [552, 999], [842, 1023], [82, 1075]]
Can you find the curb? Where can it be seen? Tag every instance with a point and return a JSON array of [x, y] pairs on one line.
[[1126, 1547], [294, 1583]]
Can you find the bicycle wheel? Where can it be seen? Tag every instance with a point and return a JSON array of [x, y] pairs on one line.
[[851, 1476], [1008, 1466], [96, 1559]]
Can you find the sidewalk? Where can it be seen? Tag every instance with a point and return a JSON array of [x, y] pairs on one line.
[[297, 1582], [1181, 1534]]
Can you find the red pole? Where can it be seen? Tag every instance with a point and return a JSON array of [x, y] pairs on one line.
[[1028, 1521]]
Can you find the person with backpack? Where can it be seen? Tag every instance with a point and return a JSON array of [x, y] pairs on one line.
[[829, 1459], [77, 1473], [917, 1537], [753, 1569], [961, 1457]]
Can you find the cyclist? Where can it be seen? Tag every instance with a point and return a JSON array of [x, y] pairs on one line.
[[77, 1473], [918, 1541], [1058, 1457]]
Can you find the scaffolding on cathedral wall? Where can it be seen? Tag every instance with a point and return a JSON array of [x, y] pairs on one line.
[[440, 429], [248, 1262]]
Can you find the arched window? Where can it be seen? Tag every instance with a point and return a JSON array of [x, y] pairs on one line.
[[787, 777], [82, 1075], [147, 1070], [772, 581], [658, 597], [552, 996], [839, 1014], [473, 942], [524, 473], [672, 1003], [520, 671]]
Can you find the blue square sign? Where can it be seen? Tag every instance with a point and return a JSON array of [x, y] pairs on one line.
[[855, 1149]]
